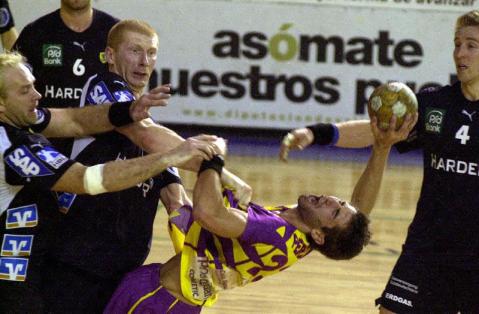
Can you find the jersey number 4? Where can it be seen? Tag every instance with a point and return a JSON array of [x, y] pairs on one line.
[[463, 134]]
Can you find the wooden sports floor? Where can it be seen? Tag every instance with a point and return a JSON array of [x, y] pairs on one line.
[[316, 284]]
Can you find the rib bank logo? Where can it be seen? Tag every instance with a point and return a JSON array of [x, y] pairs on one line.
[[52, 55], [434, 120]]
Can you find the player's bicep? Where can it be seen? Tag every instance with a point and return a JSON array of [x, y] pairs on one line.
[[61, 124], [228, 223]]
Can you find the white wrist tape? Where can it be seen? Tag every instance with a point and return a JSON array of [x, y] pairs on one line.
[[93, 180]]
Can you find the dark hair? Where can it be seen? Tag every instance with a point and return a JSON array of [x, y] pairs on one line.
[[346, 242]]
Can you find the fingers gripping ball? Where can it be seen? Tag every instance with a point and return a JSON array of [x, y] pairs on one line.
[[390, 99]]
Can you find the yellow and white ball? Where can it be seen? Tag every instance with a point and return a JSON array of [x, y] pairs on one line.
[[390, 99]]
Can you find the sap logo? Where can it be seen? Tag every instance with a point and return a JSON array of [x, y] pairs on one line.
[[99, 94], [146, 186], [399, 299], [22, 217], [13, 269], [25, 164], [52, 157], [65, 201], [17, 245]]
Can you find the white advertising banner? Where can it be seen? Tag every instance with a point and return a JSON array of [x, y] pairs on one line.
[[284, 65], [445, 5]]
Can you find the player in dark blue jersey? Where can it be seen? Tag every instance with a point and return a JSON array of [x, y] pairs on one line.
[[438, 270], [104, 237], [32, 168], [64, 48], [8, 32]]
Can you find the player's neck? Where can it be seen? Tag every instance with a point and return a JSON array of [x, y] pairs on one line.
[[470, 90], [77, 20], [293, 217]]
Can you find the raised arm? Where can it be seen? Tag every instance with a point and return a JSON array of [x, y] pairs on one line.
[[8, 33], [350, 134], [121, 174], [209, 210], [78, 122], [367, 188]]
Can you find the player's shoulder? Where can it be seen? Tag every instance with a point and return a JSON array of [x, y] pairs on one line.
[[104, 18], [438, 94], [45, 22], [108, 87]]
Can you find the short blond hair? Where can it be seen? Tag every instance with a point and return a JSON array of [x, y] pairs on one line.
[[471, 18], [115, 35], [8, 60]]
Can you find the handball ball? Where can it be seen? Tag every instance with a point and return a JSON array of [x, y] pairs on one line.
[[389, 99]]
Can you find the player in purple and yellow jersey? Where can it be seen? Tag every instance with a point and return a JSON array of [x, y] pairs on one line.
[[227, 246]]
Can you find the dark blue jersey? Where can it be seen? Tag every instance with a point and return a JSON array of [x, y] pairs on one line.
[[62, 60], [28, 213], [109, 234], [445, 226]]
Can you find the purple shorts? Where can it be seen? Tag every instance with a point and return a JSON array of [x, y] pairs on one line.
[[140, 292]]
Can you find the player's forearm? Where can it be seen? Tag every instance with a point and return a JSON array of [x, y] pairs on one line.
[[367, 188], [122, 174], [354, 134], [78, 122]]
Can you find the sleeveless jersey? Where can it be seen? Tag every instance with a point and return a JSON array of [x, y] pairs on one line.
[[210, 263], [444, 229]]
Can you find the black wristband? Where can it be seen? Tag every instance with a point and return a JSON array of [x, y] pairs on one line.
[[168, 177], [119, 113], [6, 18], [324, 133], [216, 163]]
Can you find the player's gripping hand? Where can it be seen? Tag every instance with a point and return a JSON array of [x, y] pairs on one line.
[[157, 97], [200, 146], [297, 139], [386, 138], [6, 18]]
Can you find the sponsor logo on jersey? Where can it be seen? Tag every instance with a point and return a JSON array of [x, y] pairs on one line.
[[54, 92], [65, 201], [395, 298], [101, 57], [40, 116], [13, 269], [52, 157], [434, 120], [17, 245], [99, 94], [25, 164], [52, 54], [146, 186], [22, 217], [4, 17], [123, 95]]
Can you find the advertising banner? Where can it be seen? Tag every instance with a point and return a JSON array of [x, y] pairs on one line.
[[278, 65]]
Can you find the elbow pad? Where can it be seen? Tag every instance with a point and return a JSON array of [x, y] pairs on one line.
[[93, 180]]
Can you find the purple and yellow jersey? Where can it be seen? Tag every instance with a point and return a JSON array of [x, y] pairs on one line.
[[210, 263]]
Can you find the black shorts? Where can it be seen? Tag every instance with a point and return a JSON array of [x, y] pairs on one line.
[[421, 287]]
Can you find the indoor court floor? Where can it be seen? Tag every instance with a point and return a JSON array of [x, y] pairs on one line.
[[316, 284]]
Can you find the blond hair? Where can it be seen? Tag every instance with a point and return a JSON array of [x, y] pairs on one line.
[[471, 18], [8, 60], [115, 36]]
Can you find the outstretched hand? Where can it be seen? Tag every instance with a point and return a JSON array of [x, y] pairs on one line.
[[386, 138], [157, 97], [297, 139]]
